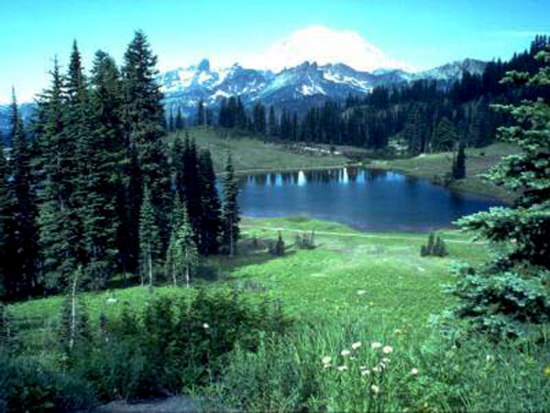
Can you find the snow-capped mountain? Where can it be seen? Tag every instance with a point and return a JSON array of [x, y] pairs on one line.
[[295, 88]]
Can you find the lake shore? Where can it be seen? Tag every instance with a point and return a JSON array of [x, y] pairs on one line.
[[435, 167]]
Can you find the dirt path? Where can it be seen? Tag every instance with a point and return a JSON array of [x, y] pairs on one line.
[[367, 236]]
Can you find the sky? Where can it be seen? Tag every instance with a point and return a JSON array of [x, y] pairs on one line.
[[412, 34]]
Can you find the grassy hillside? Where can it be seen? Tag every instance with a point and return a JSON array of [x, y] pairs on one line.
[[253, 154], [436, 166], [376, 274], [354, 287]]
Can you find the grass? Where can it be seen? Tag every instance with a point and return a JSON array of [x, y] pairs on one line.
[[435, 166], [252, 154], [374, 274], [353, 287]]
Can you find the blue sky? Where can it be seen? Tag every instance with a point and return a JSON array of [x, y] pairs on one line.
[[423, 33]]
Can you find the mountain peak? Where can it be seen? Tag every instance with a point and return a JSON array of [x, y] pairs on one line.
[[204, 65], [324, 45]]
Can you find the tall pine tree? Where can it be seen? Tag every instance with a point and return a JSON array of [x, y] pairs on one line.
[[230, 211], [25, 212], [210, 222]]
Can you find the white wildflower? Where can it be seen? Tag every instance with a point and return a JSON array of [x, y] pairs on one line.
[[386, 360], [205, 326], [375, 389], [355, 346], [326, 360], [345, 353], [414, 372], [365, 372], [342, 368], [376, 345], [387, 350], [361, 292]]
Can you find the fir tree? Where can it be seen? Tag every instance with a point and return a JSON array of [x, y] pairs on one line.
[[180, 123], [104, 183], [56, 233], [459, 163], [201, 118], [230, 211], [512, 289], [272, 122], [143, 115], [210, 222], [149, 239], [182, 255], [7, 229], [445, 136], [25, 213]]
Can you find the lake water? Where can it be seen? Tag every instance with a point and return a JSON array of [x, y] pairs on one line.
[[364, 199]]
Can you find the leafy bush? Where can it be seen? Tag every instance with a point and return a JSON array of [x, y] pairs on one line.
[[172, 344], [27, 386], [305, 241]]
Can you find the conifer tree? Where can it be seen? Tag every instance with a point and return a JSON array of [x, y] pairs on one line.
[[104, 183], [78, 132], [171, 124], [182, 255], [149, 239], [230, 210], [56, 233], [445, 136], [201, 117], [7, 228], [210, 222], [272, 122], [143, 113], [191, 186], [25, 212], [459, 163], [180, 123], [512, 289]]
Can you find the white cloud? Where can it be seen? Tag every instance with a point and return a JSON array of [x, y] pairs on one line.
[[323, 45]]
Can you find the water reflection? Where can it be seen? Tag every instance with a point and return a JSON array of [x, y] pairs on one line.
[[366, 199]]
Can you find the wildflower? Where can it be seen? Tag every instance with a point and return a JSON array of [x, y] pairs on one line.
[[489, 358], [386, 360], [361, 292], [387, 350], [365, 372], [345, 353], [355, 346], [376, 370], [398, 331], [414, 372], [342, 368], [547, 371], [326, 360], [376, 345], [205, 326], [375, 389]]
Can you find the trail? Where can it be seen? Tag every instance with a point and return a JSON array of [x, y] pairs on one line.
[[366, 236]]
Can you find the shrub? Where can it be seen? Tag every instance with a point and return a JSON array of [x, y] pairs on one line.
[[174, 343], [305, 241], [278, 247], [435, 247], [27, 386]]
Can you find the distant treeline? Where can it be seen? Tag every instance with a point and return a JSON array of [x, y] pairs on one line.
[[421, 116]]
